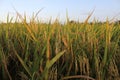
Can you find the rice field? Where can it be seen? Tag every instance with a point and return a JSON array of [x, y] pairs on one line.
[[55, 51]]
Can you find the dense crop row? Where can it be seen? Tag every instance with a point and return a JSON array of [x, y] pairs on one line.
[[55, 51]]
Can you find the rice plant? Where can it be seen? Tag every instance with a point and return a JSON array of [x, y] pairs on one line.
[[55, 51]]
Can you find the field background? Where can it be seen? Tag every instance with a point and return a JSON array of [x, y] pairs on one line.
[[55, 51]]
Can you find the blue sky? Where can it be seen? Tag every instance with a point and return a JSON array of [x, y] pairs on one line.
[[77, 9]]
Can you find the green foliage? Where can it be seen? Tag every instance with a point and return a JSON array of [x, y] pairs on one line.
[[40, 51]]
